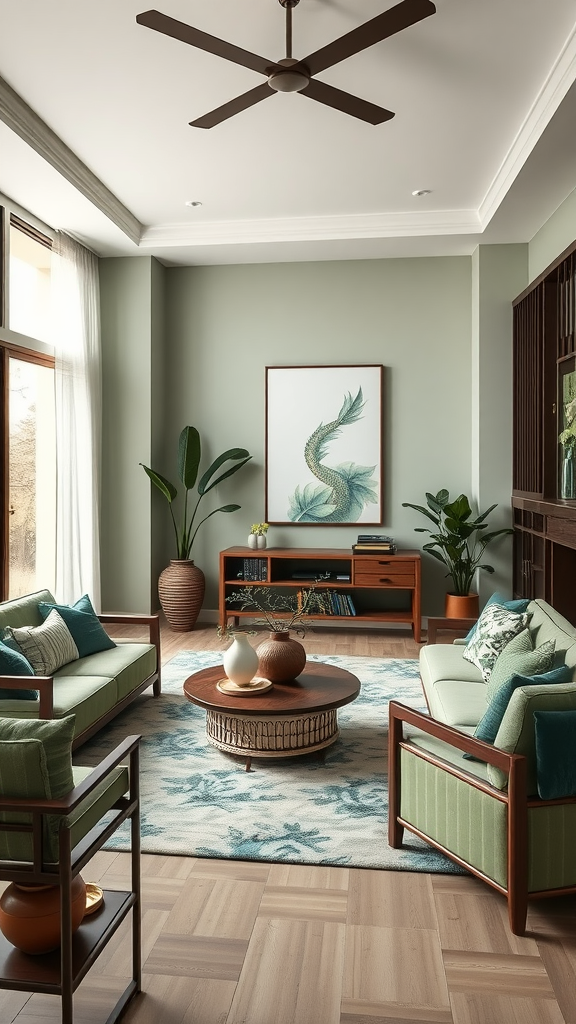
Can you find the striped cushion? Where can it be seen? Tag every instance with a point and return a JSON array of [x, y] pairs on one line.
[[47, 647]]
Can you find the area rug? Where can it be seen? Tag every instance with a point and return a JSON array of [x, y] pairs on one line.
[[200, 802]]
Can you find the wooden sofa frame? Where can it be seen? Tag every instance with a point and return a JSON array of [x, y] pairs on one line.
[[45, 684], [515, 797]]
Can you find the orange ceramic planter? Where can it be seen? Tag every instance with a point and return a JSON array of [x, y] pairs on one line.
[[462, 606]]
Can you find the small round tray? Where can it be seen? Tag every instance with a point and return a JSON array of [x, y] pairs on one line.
[[256, 685], [94, 898]]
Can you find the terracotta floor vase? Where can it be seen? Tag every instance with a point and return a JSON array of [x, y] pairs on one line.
[[280, 658], [181, 591], [30, 915]]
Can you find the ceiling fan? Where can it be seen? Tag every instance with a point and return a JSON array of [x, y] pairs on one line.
[[290, 74]]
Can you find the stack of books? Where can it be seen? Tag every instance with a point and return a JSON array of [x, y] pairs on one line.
[[374, 544], [256, 570]]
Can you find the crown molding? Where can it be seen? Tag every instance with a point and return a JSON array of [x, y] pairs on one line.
[[555, 88], [306, 229], [26, 123]]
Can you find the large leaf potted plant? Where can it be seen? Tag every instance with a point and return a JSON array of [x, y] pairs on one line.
[[458, 540], [181, 585]]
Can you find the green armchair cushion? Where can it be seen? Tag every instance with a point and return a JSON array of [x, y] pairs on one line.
[[519, 657], [56, 737], [555, 733], [87, 631], [489, 724], [47, 647]]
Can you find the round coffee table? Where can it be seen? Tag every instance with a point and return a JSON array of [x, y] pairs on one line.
[[289, 719]]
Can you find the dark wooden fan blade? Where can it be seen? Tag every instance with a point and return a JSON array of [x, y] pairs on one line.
[[179, 30], [394, 20], [248, 99], [348, 104]]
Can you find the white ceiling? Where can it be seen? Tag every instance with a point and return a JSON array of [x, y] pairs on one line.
[[482, 92]]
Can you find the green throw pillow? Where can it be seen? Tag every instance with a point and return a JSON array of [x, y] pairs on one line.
[[555, 733], [87, 631], [519, 657], [24, 775], [56, 735], [489, 724], [12, 663], [48, 647]]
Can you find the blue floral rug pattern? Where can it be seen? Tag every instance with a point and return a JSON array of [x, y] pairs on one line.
[[198, 801]]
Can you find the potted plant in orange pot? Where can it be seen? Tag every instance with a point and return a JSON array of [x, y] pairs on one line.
[[458, 541], [181, 584]]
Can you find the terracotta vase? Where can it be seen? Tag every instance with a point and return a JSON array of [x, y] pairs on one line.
[[461, 606], [240, 660], [30, 915], [181, 591], [280, 658]]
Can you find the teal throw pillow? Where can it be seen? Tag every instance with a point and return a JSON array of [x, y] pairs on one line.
[[520, 657], [489, 724], [56, 735], [555, 733], [519, 606], [87, 631], [12, 663]]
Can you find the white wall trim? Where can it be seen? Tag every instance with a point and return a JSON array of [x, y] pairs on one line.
[[553, 91], [299, 229], [26, 123]]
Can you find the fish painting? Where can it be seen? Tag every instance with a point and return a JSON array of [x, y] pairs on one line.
[[344, 489]]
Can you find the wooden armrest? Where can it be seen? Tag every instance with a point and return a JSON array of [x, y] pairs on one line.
[[449, 625], [44, 685], [467, 744]]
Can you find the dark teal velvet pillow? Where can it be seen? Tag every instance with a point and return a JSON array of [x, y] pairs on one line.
[[555, 733], [518, 606], [13, 663], [87, 631], [490, 722]]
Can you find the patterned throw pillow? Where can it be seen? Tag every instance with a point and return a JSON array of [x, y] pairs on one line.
[[496, 627], [47, 647]]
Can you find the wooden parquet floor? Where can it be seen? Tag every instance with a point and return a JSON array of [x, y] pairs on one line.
[[231, 942]]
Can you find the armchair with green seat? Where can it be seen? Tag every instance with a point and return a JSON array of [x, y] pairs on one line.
[[53, 818], [505, 810]]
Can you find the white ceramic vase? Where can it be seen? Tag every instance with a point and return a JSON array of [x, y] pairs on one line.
[[240, 660], [252, 540], [260, 541]]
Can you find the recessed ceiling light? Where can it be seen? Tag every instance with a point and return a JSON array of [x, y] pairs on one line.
[[422, 192], [192, 202]]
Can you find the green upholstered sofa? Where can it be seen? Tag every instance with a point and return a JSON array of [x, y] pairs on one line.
[[485, 814], [94, 688]]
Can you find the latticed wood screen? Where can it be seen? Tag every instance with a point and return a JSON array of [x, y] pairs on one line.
[[527, 466], [566, 306]]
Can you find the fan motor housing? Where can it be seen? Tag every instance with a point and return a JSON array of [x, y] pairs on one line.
[[289, 81]]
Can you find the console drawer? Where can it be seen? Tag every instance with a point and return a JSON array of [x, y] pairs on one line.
[[384, 577]]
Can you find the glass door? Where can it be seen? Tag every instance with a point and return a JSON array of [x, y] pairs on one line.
[[31, 449]]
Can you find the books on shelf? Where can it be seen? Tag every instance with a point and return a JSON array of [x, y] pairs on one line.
[[255, 570], [333, 602]]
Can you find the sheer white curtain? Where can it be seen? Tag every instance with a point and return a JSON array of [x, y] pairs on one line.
[[76, 324]]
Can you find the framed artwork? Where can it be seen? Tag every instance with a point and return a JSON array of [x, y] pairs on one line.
[[324, 445]]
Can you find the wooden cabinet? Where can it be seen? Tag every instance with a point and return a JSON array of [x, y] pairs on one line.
[[544, 505], [383, 588]]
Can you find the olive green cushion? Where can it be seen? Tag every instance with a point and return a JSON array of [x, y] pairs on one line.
[[516, 733], [56, 737], [129, 664], [520, 657], [96, 804], [85, 697]]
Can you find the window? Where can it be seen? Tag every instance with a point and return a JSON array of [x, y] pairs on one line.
[[29, 281], [27, 415]]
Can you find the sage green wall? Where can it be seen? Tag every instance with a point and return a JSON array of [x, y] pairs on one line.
[[553, 237], [225, 324], [132, 332], [499, 273]]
